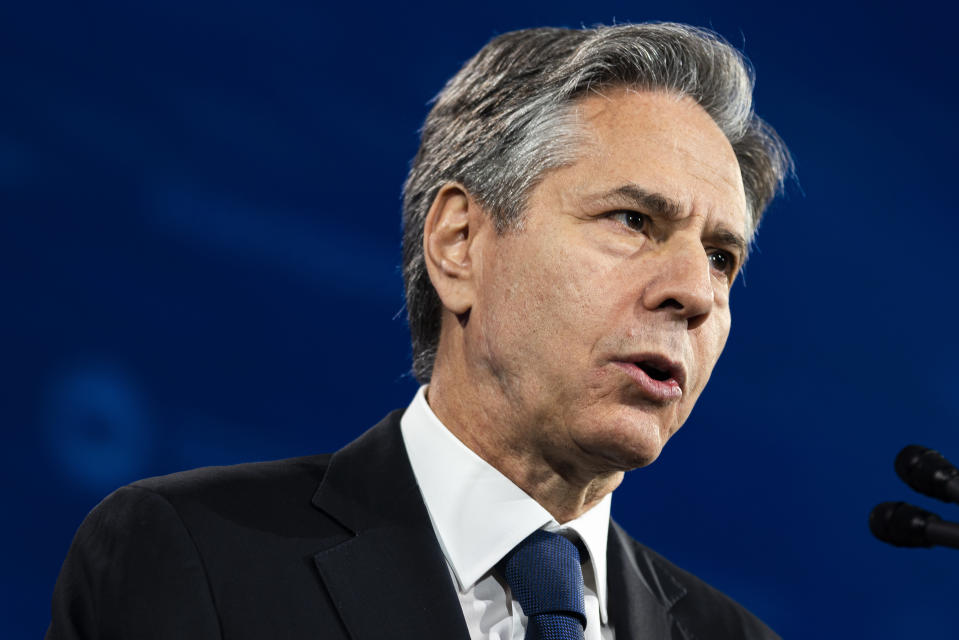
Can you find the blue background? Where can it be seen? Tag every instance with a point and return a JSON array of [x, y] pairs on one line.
[[200, 210]]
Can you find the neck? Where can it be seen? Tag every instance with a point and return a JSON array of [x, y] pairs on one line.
[[566, 483]]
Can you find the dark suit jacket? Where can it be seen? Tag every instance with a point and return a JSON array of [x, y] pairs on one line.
[[331, 547]]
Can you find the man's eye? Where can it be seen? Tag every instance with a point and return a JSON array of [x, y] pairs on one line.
[[721, 261], [632, 219]]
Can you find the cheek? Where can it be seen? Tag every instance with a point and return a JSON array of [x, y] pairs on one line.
[[710, 344], [513, 306], [553, 284], [543, 308]]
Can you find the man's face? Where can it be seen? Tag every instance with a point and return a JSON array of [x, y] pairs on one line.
[[601, 319]]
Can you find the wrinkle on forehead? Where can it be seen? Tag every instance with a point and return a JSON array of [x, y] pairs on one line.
[[732, 180], [686, 144]]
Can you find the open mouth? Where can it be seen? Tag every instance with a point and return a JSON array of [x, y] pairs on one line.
[[658, 369], [658, 378], [654, 372]]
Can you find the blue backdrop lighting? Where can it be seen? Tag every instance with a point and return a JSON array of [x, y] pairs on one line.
[[201, 212]]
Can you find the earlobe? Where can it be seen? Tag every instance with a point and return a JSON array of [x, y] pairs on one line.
[[447, 237]]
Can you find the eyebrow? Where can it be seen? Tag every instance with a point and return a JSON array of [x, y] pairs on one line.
[[666, 207], [647, 200], [729, 238]]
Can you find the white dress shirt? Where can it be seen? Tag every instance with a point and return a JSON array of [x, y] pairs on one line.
[[479, 515]]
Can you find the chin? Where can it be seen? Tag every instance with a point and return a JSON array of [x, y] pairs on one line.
[[628, 444]]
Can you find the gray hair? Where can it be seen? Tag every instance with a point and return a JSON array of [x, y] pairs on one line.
[[509, 116]]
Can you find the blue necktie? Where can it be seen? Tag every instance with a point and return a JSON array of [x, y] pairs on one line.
[[544, 573]]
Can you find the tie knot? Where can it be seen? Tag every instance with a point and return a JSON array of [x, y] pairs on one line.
[[545, 575]]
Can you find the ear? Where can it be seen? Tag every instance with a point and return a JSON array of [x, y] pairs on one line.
[[449, 239]]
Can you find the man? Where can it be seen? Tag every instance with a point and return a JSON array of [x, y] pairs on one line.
[[579, 208]]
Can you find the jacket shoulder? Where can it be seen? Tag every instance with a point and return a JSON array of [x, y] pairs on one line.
[[703, 611], [268, 496], [155, 558], [272, 475]]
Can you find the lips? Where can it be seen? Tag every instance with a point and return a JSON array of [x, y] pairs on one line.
[[657, 377]]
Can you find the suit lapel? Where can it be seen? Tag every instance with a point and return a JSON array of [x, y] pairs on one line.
[[387, 576], [641, 592]]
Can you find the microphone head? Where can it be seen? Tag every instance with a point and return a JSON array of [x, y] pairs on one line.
[[927, 471], [901, 524]]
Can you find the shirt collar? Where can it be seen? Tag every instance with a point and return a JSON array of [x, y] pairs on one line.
[[478, 514]]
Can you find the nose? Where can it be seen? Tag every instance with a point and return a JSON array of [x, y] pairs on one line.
[[680, 282]]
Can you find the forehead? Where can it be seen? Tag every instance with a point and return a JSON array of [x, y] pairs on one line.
[[665, 143]]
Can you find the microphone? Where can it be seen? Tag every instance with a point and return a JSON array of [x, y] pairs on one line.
[[928, 472], [904, 525]]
